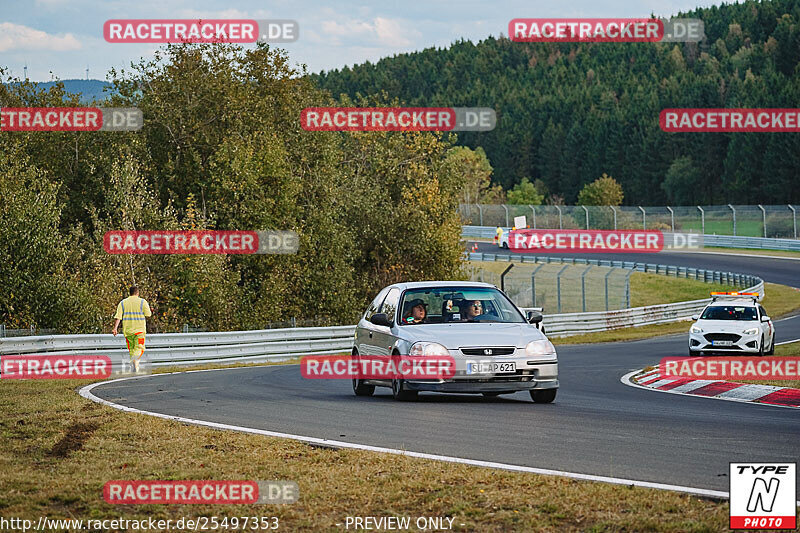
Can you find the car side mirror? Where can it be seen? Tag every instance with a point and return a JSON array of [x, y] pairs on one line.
[[765, 318], [381, 319], [534, 317], [695, 317]]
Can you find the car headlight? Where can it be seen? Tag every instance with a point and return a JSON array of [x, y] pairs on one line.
[[751, 331], [540, 348], [428, 348], [696, 329]]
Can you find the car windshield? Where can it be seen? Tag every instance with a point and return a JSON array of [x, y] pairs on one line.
[[729, 312], [436, 305]]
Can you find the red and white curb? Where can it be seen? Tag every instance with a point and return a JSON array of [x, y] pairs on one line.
[[718, 390]]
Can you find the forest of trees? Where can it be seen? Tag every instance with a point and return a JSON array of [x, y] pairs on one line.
[[569, 112]]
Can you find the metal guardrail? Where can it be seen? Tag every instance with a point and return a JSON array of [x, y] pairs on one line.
[[722, 241], [187, 349], [179, 349]]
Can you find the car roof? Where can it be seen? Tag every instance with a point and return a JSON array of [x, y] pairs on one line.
[[427, 284], [739, 302]]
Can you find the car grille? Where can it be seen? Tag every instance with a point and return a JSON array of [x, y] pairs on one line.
[[722, 337], [494, 350]]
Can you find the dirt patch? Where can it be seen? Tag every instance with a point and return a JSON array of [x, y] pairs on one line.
[[76, 436]]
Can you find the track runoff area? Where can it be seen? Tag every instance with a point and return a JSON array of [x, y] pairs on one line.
[[382, 427]]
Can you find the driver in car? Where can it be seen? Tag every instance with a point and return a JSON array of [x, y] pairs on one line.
[[474, 308], [418, 310]]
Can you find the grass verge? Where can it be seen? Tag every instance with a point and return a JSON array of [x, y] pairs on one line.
[[785, 350], [57, 450]]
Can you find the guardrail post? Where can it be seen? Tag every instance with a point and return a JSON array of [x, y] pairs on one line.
[[480, 214], [559, 217], [583, 287], [2, 330], [533, 283], [558, 286], [587, 215], [644, 217], [734, 219], [794, 219], [533, 209], [614, 209], [702, 219], [672, 218], [763, 219], [506, 209]]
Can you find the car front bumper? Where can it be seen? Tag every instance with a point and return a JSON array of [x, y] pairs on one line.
[[698, 342], [539, 376]]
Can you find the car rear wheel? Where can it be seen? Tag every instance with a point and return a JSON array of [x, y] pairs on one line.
[[359, 388], [544, 396]]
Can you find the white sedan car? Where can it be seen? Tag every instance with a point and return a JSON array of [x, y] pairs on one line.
[[734, 322]]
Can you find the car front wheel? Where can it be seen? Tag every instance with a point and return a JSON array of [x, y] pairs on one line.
[[544, 396], [401, 394]]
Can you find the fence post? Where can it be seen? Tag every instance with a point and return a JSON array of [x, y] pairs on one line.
[[534, 215], [702, 219], [610, 271], [763, 218], [2, 330], [533, 283], [558, 286], [672, 218], [506, 209], [628, 290], [644, 218], [503, 277], [559, 217], [587, 215], [734, 219], [480, 214], [794, 219], [614, 209], [583, 287]]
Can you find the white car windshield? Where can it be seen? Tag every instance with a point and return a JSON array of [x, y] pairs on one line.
[[432, 305], [729, 312]]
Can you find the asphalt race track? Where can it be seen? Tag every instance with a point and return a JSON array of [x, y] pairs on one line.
[[597, 425]]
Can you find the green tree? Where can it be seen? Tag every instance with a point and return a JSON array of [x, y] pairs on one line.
[[603, 191], [680, 182], [524, 193]]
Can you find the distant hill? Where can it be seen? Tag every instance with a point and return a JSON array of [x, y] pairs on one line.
[[568, 112], [88, 89]]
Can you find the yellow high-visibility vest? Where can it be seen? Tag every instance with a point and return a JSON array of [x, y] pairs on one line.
[[132, 311]]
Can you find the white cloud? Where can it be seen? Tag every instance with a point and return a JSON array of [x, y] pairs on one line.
[[381, 31], [18, 37]]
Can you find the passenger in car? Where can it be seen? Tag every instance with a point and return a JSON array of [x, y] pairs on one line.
[[473, 308], [417, 311]]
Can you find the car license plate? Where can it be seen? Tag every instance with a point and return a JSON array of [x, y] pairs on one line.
[[721, 343], [491, 368]]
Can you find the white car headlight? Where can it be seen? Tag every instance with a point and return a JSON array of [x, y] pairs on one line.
[[540, 348], [696, 329], [428, 348], [751, 331]]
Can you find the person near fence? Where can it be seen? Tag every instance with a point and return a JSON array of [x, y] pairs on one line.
[[132, 312]]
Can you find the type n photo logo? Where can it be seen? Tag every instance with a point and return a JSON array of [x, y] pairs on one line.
[[763, 496]]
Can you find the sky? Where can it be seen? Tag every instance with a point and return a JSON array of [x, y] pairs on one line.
[[60, 39]]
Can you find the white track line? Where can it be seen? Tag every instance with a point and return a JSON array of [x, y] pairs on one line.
[[86, 392], [736, 254]]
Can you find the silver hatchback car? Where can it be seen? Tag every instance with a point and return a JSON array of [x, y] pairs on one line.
[[496, 349]]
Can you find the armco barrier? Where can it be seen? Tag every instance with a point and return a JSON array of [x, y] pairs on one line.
[[721, 241], [185, 349]]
